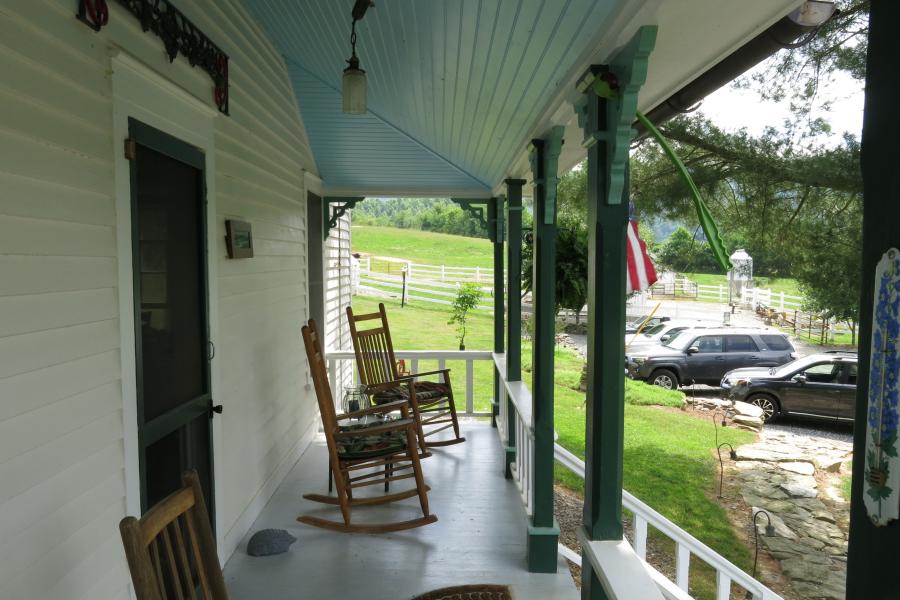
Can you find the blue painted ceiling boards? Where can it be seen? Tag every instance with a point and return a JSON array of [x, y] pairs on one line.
[[454, 86]]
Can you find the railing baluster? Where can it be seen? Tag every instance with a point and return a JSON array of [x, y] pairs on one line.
[[333, 380], [682, 565], [723, 586], [442, 364], [640, 536], [470, 387], [414, 366]]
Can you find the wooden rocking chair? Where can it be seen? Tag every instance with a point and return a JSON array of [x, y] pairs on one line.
[[364, 454], [171, 551], [431, 402]]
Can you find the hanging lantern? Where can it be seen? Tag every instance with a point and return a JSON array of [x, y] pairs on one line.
[[353, 86]]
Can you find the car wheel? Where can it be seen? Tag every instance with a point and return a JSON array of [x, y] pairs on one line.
[[768, 404], [664, 378]]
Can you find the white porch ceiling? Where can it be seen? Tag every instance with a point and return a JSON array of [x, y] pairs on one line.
[[458, 87]]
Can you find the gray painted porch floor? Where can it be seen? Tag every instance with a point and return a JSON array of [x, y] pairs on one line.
[[479, 536]]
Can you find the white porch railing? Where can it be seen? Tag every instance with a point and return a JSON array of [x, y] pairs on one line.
[[334, 359], [686, 546], [515, 395]]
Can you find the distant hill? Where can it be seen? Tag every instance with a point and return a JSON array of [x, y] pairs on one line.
[[423, 247]]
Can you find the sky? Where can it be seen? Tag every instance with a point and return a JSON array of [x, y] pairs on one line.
[[732, 109]]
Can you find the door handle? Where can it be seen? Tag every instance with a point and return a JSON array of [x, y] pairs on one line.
[[215, 410], [720, 358], [753, 358], [211, 353]]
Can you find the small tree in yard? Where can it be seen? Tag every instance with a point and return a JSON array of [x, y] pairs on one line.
[[467, 297]]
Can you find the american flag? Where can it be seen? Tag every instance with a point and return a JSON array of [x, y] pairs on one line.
[[641, 273]]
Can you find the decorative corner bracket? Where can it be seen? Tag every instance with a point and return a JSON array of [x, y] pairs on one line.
[[178, 33], [619, 83], [495, 220], [475, 208], [335, 208], [546, 173]]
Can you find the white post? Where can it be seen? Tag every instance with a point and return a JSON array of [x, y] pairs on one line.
[[470, 387], [443, 273], [721, 293], [781, 304], [409, 269]]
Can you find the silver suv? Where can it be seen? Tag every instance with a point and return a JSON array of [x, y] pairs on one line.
[[705, 355]]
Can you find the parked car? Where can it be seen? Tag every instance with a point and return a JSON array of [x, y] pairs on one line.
[[822, 385], [705, 355], [633, 325], [661, 332]]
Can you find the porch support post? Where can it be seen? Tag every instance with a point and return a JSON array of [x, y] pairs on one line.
[[495, 233], [872, 555], [543, 532], [606, 120], [514, 306]]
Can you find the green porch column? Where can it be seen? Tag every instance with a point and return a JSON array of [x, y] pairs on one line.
[[607, 125], [543, 532], [872, 557], [514, 305], [495, 233]]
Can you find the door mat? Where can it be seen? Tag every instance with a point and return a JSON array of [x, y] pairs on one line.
[[469, 592]]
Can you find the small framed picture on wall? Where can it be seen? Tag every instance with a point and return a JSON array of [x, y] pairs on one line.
[[238, 239]]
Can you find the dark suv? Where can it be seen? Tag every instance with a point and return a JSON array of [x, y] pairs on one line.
[[705, 355], [823, 385]]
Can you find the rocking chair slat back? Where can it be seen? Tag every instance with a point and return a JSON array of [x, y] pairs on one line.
[[319, 373], [375, 351], [171, 551]]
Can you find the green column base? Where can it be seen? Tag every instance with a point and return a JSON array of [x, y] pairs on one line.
[[543, 548], [510, 459]]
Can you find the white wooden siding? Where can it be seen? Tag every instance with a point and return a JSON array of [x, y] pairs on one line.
[[338, 295], [62, 465]]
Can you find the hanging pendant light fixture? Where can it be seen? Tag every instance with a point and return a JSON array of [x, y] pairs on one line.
[[353, 87]]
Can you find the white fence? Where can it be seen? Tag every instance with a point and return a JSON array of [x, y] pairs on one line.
[[440, 273], [515, 396], [437, 292], [335, 358], [686, 546]]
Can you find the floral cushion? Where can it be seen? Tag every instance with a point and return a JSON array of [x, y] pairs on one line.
[[425, 391], [369, 446]]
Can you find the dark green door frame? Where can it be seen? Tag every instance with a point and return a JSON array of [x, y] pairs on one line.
[[607, 133], [873, 551], [151, 431], [543, 532]]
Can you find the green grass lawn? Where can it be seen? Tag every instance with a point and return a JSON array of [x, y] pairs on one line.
[[846, 482], [668, 457], [424, 247]]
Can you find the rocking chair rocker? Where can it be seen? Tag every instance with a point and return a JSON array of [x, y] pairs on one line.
[[364, 454], [431, 402]]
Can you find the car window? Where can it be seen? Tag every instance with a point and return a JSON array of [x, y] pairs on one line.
[[649, 331], [851, 374], [776, 342], [709, 343], [740, 343], [677, 336], [823, 373]]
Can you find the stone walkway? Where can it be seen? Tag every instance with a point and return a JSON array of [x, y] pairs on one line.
[[790, 477]]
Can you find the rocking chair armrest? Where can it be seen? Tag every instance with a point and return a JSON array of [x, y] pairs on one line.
[[398, 425], [386, 385], [374, 410], [426, 373]]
